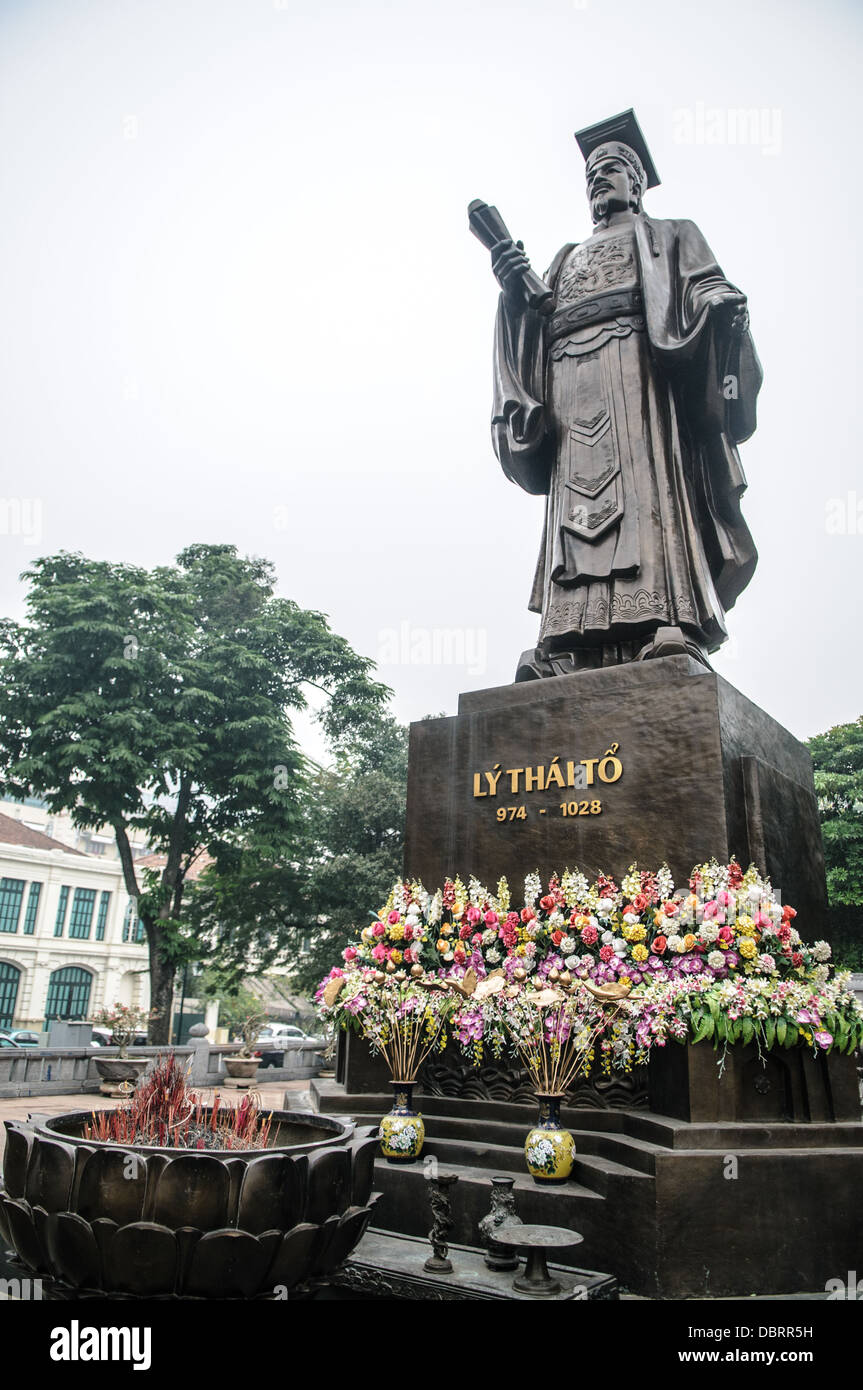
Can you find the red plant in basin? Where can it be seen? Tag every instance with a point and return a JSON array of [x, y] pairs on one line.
[[163, 1112]]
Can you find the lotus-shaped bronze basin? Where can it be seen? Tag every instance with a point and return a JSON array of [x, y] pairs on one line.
[[186, 1223]]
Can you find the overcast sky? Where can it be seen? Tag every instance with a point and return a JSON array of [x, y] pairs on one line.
[[240, 301]]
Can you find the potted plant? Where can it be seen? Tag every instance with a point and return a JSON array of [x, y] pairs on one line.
[[121, 1071], [166, 1197], [243, 1065]]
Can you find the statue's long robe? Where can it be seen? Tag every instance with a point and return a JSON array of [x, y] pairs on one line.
[[635, 421]]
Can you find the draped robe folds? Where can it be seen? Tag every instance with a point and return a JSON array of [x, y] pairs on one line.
[[669, 544]]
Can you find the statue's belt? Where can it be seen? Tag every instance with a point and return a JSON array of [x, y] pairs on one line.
[[596, 310]]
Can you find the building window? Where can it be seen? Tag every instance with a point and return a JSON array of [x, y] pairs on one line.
[[10, 977], [11, 893], [32, 908], [133, 927], [68, 993], [81, 916], [61, 911], [103, 916]]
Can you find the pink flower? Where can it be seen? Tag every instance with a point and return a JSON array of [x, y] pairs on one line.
[[491, 919], [349, 953], [710, 909], [589, 935], [393, 918], [474, 915], [823, 1038], [606, 953], [409, 932], [379, 929], [379, 952]]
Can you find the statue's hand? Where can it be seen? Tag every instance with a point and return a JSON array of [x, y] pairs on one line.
[[732, 310], [509, 264]]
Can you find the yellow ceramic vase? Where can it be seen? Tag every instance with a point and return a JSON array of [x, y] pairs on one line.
[[402, 1131], [549, 1149]]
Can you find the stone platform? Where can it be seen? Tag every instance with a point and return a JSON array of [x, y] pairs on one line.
[[390, 1266], [516, 782], [670, 1208]]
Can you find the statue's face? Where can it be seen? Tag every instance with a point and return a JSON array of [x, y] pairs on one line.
[[608, 187]]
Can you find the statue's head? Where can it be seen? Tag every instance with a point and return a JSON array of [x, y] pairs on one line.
[[615, 180]]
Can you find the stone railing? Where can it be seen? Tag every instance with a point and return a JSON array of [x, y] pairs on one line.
[[40, 1071]]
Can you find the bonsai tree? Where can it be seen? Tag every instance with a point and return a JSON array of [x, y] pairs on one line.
[[249, 1031], [124, 1022]]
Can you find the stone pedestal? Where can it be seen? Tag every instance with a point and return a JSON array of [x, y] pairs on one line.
[[700, 771]]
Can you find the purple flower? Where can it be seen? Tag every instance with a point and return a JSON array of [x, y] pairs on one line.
[[823, 1038]]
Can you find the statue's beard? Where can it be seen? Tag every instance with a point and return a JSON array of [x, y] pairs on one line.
[[606, 203]]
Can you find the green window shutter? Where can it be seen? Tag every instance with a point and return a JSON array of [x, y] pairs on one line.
[[61, 911], [81, 916], [103, 916], [11, 893], [32, 909]]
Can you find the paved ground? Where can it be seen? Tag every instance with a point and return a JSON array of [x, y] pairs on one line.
[[272, 1098]]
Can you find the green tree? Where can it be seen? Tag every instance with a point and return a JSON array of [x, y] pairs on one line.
[[838, 760], [162, 699], [356, 833]]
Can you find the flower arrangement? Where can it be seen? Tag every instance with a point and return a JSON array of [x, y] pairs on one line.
[[718, 959], [402, 1017]]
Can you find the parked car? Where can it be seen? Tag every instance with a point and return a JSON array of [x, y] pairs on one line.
[[6, 1041], [23, 1037]]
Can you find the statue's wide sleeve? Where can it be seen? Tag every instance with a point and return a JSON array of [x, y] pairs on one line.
[[519, 425]]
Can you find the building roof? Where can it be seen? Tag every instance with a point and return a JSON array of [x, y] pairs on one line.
[[201, 862], [15, 832]]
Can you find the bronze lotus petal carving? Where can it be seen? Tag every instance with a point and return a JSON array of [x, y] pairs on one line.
[[153, 1223]]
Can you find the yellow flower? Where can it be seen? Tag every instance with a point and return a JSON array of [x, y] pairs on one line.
[[397, 931], [396, 957], [658, 918], [689, 942], [637, 933], [746, 926], [748, 949], [639, 953], [442, 945]]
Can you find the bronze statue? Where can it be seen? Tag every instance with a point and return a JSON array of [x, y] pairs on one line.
[[623, 382]]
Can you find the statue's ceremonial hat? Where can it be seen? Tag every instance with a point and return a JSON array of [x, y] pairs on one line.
[[619, 130]]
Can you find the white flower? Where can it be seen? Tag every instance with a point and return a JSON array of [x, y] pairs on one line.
[[709, 933], [716, 960], [675, 942], [489, 936], [630, 917], [620, 946], [493, 956], [607, 938], [567, 945], [822, 951], [604, 907], [571, 962]]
